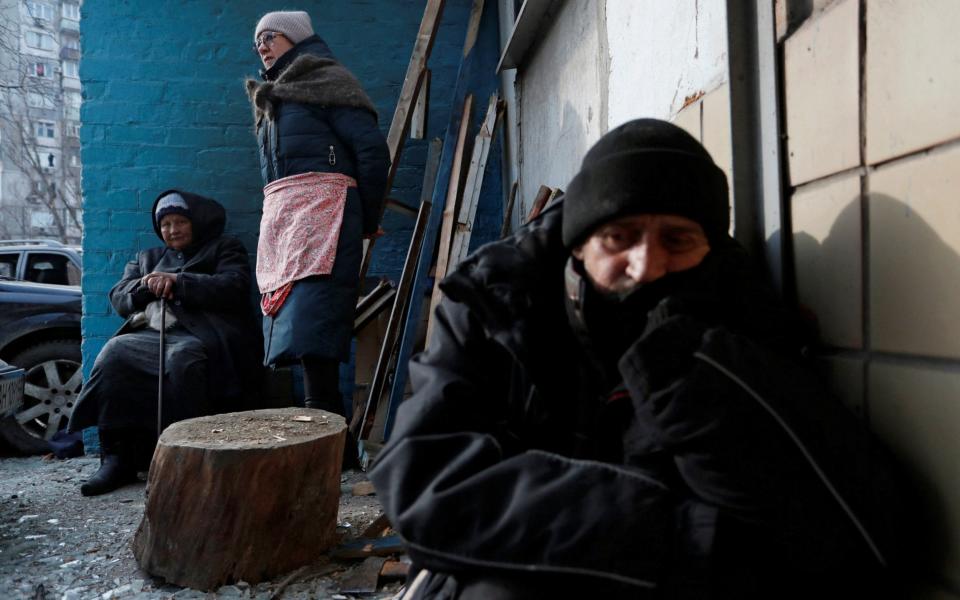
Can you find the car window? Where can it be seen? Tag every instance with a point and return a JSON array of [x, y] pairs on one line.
[[73, 273], [44, 267], [8, 264]]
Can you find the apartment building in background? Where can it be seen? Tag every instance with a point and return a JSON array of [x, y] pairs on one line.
[[40, 101]]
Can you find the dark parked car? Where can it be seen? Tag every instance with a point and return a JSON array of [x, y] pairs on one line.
[[40, 333], [40, 261]]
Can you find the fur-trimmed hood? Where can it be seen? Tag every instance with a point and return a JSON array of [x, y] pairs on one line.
[[309, 79]]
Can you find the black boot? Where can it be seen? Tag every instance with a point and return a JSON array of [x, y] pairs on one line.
[[117, 466], [351, 459], [321, 384]]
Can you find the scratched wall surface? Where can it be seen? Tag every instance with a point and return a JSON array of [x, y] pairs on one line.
[[561, 99], [600, 64], [661, 54]]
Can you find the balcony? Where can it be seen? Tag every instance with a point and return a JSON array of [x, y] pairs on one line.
[[69, 25], [69, 53]]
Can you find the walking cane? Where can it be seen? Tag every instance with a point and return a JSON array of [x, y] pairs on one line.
[[163, 352]]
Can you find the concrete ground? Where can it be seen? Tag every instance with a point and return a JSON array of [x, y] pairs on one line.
[[57, 544]]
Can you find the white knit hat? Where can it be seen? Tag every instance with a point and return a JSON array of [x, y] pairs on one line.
[[293, 24]]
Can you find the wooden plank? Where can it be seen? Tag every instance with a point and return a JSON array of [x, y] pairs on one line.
[[471, 188], [421, 111], [376, 529], [369, 243], [401, 207], [543, 194], [508, 211], [372, 304], [361, 422], [363, 579], [454, 192], [412, 82], [531, 24], [556, 193], [395, 569], [364, 547], [379, 290], [475, 76]]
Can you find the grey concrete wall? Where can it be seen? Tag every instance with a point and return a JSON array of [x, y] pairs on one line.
[[603, 62], [562, 98]]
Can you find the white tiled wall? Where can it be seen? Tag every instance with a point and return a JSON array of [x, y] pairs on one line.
[[917, 411], [716, 129], [882, 272], [915, 255], [827, 242], [912, 75], [688, 119], [823, 94]]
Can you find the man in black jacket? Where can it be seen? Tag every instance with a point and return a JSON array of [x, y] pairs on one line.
[[613, 406]]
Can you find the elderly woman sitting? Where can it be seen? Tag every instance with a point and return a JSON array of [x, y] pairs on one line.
[[212, 340]]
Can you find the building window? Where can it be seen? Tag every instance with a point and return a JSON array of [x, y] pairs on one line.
[[46, 129], [71, 105], [41, 69], [71, 11], [40, 41], [70, 68], [73, 130], [51, 160], [40, 218], [39, 10], [74, 160], [35, 100], [71, 42]]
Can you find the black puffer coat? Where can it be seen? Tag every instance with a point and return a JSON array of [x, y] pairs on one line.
[[211, 299], [332, 129], [732, 474], [310, 137]]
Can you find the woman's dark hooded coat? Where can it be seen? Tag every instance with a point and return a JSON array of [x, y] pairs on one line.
[[215, 323]]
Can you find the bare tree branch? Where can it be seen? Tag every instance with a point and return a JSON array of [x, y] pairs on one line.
[[26, 101]]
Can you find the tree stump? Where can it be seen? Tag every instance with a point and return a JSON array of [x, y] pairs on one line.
[[241, 496]]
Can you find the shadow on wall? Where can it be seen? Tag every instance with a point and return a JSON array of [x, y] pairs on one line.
[[571, 134], [914, 277]]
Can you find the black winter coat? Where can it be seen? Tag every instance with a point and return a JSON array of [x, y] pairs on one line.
[[735, 475], [211, 300], [312, 137]]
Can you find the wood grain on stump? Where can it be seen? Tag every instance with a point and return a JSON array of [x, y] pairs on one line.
[[241, 496]]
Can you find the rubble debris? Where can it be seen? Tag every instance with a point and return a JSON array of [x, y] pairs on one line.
[[364, 488]]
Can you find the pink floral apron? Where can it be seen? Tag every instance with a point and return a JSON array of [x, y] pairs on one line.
[[299, 232]]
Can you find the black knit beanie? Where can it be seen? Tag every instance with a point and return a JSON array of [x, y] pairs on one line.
[[646, 166]]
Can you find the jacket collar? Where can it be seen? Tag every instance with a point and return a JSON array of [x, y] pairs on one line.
[[313, 45]]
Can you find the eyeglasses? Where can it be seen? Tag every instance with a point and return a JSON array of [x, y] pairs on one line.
[[267, 38]]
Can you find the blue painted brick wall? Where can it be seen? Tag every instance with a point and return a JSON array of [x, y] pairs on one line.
[[164, 107]]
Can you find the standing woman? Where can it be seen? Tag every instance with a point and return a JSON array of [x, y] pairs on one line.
[[324, 162]]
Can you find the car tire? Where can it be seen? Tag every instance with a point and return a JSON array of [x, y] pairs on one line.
[[17, 438], [52, 383]]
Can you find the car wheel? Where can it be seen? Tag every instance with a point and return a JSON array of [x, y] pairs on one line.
[[51, 385]]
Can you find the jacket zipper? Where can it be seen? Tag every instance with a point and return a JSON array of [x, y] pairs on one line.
[[332, 157], [803, 449]]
